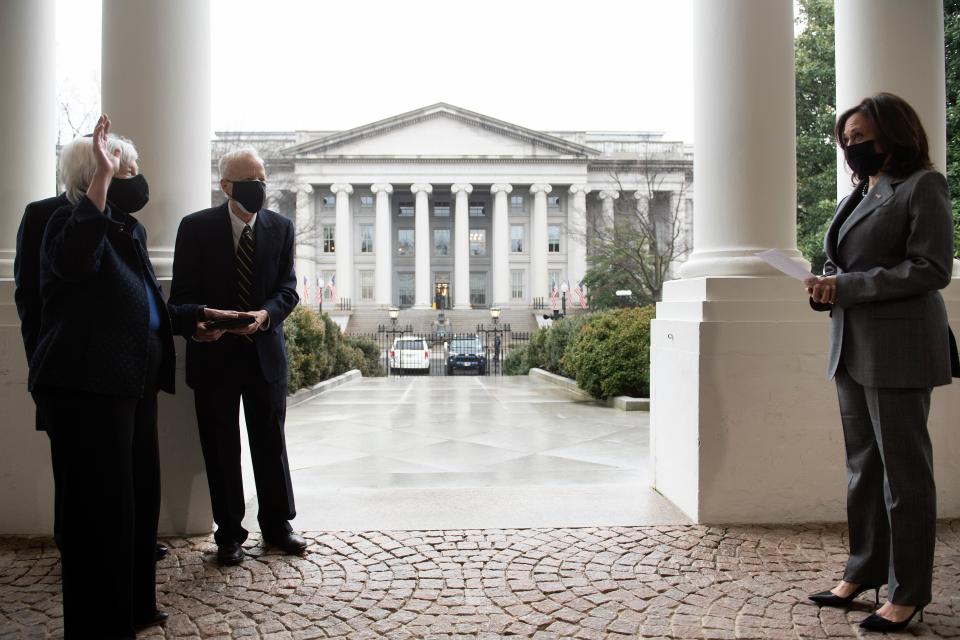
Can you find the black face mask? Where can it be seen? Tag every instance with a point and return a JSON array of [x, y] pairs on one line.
[[251, 194], [129, 195], [864, 159]]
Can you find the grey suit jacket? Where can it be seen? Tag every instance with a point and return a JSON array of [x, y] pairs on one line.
[[892, 250]]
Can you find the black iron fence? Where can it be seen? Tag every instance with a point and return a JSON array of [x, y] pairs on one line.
[[405, 352]]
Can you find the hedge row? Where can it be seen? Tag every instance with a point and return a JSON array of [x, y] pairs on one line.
[[318, 351], [607, 353]]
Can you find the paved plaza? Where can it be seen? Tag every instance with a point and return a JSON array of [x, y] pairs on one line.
[[462, 508]]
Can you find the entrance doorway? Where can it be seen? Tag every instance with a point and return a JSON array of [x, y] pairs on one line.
[[441, 289]]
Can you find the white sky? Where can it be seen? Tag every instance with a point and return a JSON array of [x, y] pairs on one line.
[[336, 64]]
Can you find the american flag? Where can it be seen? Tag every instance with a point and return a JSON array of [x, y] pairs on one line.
[[306, 290], [333, 287], [578, 292], [553, 296]]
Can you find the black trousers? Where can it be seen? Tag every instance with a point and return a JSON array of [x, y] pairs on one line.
[[108, 486], [891, 497], [218, 418]]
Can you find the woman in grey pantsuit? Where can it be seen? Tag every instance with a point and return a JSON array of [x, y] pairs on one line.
[[889, 250]]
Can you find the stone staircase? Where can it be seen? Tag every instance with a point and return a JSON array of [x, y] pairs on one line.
[[366, 320]]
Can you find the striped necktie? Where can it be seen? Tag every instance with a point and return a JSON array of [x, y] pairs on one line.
[[245, 271]]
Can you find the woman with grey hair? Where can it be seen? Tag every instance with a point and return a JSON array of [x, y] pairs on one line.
[[104, 350]]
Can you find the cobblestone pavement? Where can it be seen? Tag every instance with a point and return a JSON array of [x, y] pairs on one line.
[[616, 582]]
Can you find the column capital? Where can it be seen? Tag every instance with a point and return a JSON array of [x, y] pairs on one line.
[[341, 187], [381, 187], [540, 188], [578, 189], [305, 189], [422, 187], [609, 194], [501, 188], [461, 187]]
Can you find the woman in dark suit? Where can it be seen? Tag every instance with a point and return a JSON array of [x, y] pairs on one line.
[[889, 250], [104, 349]]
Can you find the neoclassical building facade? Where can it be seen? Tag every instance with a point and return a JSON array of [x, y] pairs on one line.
[[450, 208]]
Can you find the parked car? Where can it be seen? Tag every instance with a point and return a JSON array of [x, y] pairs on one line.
[[466, 352], [410, 352]]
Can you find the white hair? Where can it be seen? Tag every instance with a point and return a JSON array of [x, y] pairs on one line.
[[230, 156], [78, 163]]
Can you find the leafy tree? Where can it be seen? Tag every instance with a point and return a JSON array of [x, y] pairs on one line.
[[816, 114], [951, 36]]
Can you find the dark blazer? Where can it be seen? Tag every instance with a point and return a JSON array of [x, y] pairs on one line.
[[26, 266], [93, 333], [205, 272], [892, 251]]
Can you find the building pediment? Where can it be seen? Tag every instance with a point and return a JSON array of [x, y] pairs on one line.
[[441, 131]]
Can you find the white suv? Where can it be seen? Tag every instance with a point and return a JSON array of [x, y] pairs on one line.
[[410, 352]]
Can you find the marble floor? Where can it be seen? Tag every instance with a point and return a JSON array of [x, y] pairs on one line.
[[467, 451]]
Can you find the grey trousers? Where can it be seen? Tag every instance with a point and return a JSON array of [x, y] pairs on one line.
[[891, 497]]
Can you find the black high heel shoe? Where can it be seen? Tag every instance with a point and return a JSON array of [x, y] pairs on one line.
[[875, 622], [830, 599]]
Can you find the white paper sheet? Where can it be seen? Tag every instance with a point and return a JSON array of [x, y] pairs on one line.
[[782, 262]]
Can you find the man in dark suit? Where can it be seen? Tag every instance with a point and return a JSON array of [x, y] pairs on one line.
[[26, 275], [240, 256]]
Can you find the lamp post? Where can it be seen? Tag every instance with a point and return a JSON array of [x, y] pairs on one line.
[[320, 284], [563, 299], [394, 314], [495, 315], [389, 333]]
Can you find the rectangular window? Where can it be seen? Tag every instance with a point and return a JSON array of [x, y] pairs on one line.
[[406, 210], [516, 284], [478, 242], [441, 242], [366, 285], [405, 242], [553, 238], [553, 277], [516, 238], [477, 210], [553, 204], [516, 203], [329, 239], [366, 202], [441, 209], [329, 202], [366, 238], [327, 290], [478, 288], [407, 289]]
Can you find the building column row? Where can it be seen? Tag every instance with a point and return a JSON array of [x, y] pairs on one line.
[[500, 242]]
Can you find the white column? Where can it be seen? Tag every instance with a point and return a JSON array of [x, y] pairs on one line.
[[500, 241], [28, 104], [576, 234], [343, 236], [307, 237], [29, 131], [744, 424], [897, 47], [383, 248], [608, 200], [745, 121], [910, 64], [156, 87], [539, 283], [422, 246], [461, 243]]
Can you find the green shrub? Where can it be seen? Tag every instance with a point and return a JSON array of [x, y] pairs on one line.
[[610, 355], [558, 336], [536, 348], [308, 362], [516, 364], [370, 363]]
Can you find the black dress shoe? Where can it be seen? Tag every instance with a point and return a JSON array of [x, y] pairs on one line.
[[158, 617], [288, 543], [875, 622], [162, 552], [830, 599], [229, 553]]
